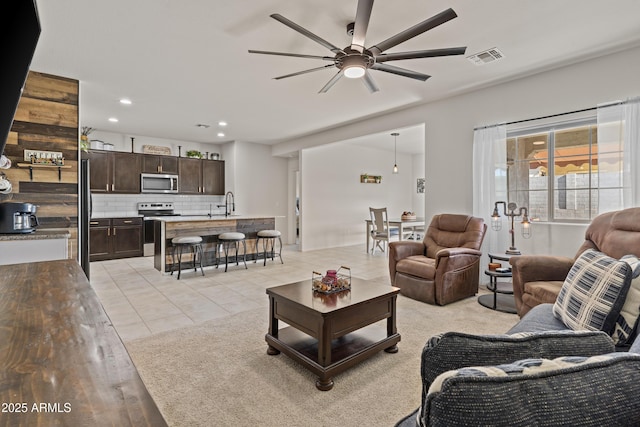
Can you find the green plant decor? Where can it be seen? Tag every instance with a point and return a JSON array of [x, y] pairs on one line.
[[85, 131], [194, 153]]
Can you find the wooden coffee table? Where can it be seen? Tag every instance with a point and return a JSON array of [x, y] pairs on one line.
[[329, 333]]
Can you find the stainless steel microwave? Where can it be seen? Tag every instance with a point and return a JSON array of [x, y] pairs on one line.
[[158, 183]]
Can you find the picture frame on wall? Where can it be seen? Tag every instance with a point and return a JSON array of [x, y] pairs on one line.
[[420, 185]]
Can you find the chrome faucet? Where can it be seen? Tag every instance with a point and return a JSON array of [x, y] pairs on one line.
[[229, 208]]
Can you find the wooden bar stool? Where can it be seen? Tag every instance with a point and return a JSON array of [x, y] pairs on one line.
[[232, 238], [194, 243], [269, 240]]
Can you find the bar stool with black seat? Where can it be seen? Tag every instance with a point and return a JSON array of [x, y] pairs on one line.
[[233, 238], [194, 243], [269, 240]]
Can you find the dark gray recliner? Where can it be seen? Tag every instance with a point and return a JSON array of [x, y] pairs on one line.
[[605, 392]]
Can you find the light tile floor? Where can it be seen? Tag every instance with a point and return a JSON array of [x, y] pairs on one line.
[[140, 301]]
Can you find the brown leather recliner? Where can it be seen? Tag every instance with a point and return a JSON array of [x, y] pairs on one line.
[[444, 267], [537, 279]]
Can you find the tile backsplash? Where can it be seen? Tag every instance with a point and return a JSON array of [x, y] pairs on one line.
[[125, 205]]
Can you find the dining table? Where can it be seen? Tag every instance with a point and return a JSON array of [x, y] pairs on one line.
[[403, 225]]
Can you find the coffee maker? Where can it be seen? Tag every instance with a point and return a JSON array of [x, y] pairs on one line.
[[17, 218]]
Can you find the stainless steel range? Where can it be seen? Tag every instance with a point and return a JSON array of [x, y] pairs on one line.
[[149, 210]]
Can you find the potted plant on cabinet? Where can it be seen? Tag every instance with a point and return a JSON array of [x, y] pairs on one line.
[[85, 131]]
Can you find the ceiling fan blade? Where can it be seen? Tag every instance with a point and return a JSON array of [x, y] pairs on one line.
[[306, 33], [363, 14], [417, 29], [400, 71], [295, 55], [304, 72], [421, 54], [331, 82], [369, 82]]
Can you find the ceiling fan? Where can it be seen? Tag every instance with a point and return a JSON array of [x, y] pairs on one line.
[[356, 60]]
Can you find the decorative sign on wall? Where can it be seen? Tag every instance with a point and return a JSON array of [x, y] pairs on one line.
[[156, 149], [420, 186], [38, 157]]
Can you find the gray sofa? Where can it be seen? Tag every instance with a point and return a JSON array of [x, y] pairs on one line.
[[593, 392]]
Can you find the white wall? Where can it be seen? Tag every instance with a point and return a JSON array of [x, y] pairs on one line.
[[450, 123], [335, 204], [261, 183]]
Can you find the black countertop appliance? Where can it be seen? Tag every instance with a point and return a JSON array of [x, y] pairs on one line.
[[17, 218]]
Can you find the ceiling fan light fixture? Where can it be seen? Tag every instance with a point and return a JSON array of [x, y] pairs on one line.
[[354, 71], [354, 60]]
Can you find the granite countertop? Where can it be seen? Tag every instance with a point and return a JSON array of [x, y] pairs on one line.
[[207, 218], [112, 215], [37, 235]]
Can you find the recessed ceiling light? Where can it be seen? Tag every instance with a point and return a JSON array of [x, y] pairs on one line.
[[220, 134], [203, 126], [222, 123], [113, 120], [125, 101]]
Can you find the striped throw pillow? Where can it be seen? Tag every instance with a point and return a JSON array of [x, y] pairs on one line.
[[593, 293], [626, 328]]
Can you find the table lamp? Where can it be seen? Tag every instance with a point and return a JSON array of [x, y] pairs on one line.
[[496, 222]]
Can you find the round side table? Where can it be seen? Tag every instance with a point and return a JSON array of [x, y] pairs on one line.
[[501, 298]]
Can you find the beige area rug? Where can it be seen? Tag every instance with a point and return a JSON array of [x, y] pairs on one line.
[[219, 374]]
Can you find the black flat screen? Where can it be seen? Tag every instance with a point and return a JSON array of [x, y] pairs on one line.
[[19, 33]]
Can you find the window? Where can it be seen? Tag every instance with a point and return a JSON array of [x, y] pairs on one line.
[[560, 172]]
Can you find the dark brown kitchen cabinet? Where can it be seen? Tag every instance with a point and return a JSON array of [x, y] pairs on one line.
[[201, 176], [100, 172], [152, 163], [99, 239], [114, 172], [190, 175], [213, 177], [111, 238]]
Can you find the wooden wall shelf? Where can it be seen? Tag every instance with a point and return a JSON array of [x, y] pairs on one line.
[[40, 166], [371, 179]]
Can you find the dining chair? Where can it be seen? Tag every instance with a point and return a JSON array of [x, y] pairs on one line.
[[380, 231], [415, 233]]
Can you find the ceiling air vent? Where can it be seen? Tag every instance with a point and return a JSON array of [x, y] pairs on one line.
[[486, 56]]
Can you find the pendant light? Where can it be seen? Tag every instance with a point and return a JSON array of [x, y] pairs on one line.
[[395, 146]]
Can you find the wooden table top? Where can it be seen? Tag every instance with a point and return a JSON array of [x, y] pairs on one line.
[[361, 291], [61, 360]]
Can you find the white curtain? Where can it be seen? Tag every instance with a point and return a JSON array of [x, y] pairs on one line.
[[631, 158], [618, 155], [489, 181]]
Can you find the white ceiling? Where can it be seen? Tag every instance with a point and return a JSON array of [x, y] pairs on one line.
[[184, 62]]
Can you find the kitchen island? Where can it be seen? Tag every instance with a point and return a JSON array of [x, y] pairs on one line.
[[207, 227]]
